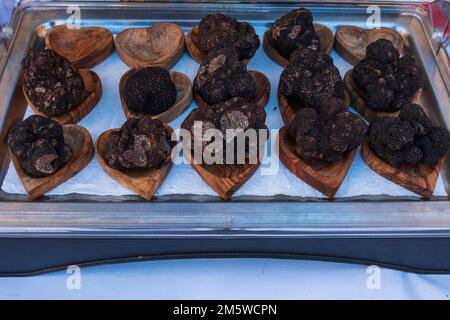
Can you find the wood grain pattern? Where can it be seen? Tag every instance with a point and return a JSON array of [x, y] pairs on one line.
[[84, 47], [351, 42], [80, 141], [289, 108], [144, 182], [326, 177], [419, 179], [184, 97], [91, 96], [262, 91], [326, 44], [160, 45]]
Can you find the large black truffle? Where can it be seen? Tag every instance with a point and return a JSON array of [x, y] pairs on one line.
[[222, 77], [140, 143], [220, 31], [51, 82], [410, 138], [328, 133], [150, 91], [310, 78], [292, 31], [38, 144], [387, 80]]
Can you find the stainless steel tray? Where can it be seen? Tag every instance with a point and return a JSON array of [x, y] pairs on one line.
[[247, 225]]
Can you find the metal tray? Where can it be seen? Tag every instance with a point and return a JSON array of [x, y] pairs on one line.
[[55, 231]]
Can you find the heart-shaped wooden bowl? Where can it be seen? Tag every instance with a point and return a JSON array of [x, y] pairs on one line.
[[80, 141], [358, 100], [160, 45], [289, 108], [326, 44], [183, 101], [144, 182], [351, 42], [326, 177], [84, 47], [419, 179], [91, 95], [262, 91]]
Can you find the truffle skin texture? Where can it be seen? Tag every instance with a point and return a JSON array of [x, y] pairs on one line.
[[139, 144], [222, 77], [150, 91], [219, 31], [387, 81], [51, 82], [38, 144], [292, 31], [410, 138], [329, 137], [310, 78]]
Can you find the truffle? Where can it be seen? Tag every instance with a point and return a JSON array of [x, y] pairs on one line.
[[38, 144], [139, 144], [310, 78], [222, 77], [51, 82], [150, 91], [292, 31], [220, 31], [327, 134], [410, 138], [387, 80]]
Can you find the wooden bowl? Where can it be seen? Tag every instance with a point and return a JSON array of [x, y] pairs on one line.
[[144, 182], [160, 45], [288, 108], [351, 42], [358, 100], [326, 44], [326, 177], [84, 47], [183, 101], [91, 96], [419, 178], [262, 91], [80, 141]]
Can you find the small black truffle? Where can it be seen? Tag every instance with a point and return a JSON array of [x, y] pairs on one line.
[[219, 31], [51, 82], [140, 143], [38, 144], [222, 77]]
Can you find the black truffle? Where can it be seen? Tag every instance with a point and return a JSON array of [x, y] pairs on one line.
[[222, 77], [150, 91], [387, 81], [310, 78], [326, 134], [292, 31], [51, 82], [140, 143], [410, 138], [38, 144], [220, 31]]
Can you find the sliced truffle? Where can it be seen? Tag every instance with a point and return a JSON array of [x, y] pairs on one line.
[[292, 31], [219, 31], [222, 77], [410, 138], [326, 134], [38, 144], [139, 144], [51, 82], [150, 91], [387, 81], [310, 78]]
